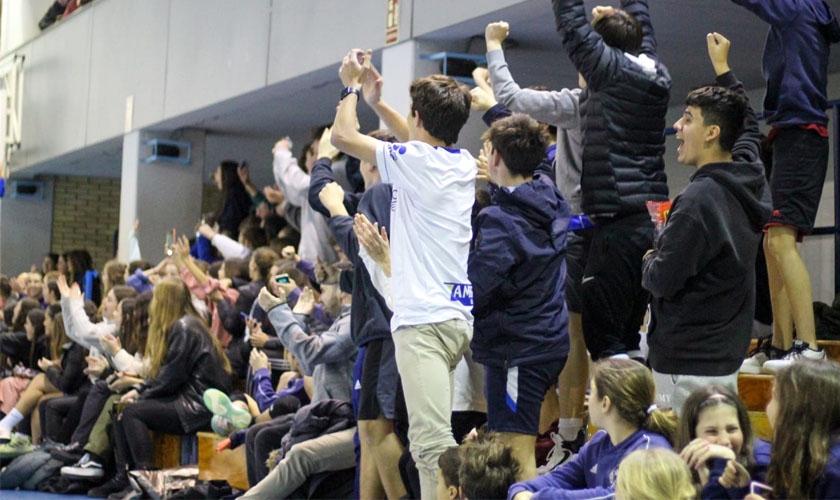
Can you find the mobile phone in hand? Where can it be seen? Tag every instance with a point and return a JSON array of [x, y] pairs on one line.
[[757, 488], [282, 279]]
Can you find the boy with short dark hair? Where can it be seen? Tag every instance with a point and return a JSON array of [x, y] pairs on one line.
[[517, 269], [701, 271], [433, 195]]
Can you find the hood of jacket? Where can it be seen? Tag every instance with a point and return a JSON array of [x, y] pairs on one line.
[[539, 202], [747, 182]]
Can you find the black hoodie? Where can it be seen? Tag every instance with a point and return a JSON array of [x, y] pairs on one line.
[[701, 273]]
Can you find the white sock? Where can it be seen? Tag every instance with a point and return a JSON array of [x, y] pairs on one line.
[[11, 420], [568, 428]]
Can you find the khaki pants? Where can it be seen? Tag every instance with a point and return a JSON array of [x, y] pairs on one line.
[[330, 452], [426, 359]]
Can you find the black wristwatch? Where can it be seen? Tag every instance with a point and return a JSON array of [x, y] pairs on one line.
[[349, 90]]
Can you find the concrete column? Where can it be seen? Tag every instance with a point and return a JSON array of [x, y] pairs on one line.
[[162, 196]]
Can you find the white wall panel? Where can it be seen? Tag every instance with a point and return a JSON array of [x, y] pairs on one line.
[[431, 15], [217, 50], [56, 88], [310, 35], [20, 22], [128, 58]]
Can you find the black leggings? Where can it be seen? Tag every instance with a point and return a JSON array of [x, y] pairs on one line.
[[59, 416], [140, 417], [91, 408]]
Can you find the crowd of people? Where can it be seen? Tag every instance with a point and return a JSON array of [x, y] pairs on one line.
[[399, 311]]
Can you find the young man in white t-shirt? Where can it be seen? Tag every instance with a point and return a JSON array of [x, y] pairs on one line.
[[433, 195]]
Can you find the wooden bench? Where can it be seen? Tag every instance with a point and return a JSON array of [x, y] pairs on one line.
[[171, 450], [229, 465]]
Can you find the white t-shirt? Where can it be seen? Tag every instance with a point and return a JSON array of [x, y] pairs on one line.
[[431, 205]]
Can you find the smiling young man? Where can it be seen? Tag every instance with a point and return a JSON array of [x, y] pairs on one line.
[[701, 272]]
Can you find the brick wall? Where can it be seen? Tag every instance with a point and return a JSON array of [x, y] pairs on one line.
[[86, 214], [210, 198]]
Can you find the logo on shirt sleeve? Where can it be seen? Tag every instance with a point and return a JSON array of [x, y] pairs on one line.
[[395, 149], [461, 292]]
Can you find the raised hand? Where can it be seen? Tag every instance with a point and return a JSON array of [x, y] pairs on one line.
[[495, 34], [274, 195], [205, 230], [482, 79], [325, 147], [481, 99], [306, 302], [601, 11], [352, 70], [372, 85], [268, 300], [718, 47], [243, 173], [283, 144]]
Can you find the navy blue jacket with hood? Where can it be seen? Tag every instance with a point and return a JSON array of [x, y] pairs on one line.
[[795, 62], [518, 269]]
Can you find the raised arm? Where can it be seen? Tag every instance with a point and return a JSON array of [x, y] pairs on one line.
[[748, 146], [596, 61], [639, 10], [558, 108], [322, 174], [345, 134], [773, 12], [293, 181], [372, 90]]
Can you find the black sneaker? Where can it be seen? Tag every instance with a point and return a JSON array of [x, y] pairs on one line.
[[116, 484], [55, 10], [68, 453]]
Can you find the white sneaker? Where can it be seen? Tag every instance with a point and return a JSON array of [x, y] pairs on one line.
[[763, 352], [562, 452], [84, 468], [800, 350]]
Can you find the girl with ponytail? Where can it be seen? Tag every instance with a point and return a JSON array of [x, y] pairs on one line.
[[621, 405]]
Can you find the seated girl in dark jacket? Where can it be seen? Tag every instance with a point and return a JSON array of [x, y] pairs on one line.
[[24, 349], [184, 361], [63, 372]]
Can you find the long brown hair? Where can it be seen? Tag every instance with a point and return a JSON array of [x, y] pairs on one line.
[[631, 389], [708, 397], [36, 318], [171, 301], [134, 329], [57, 334], [26, 304], [115, 271], [807, 424]]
